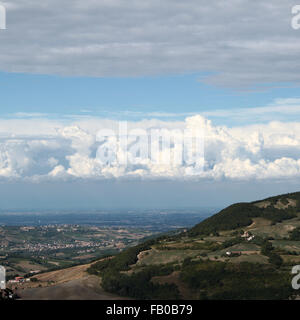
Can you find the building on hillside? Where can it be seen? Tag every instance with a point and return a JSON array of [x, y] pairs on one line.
[[245, 234]]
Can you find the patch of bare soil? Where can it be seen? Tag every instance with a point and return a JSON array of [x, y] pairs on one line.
[[258, 222], [291, 203], [263, 204], [66, 284], [86, 288], [63, 275]]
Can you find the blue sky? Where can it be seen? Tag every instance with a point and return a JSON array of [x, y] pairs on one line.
[[69, 70], [114, 97]]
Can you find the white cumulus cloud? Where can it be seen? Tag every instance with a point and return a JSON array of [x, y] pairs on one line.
[[66, 151]]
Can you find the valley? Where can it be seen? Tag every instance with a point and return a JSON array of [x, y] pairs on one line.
[[246, 251]]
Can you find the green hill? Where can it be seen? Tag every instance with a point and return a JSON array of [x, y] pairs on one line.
[[275, 209], [245, 251]]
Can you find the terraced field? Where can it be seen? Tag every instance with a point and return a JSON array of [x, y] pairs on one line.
[[156, 257]]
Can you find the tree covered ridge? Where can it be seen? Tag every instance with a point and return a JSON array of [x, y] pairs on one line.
[[241, 214]]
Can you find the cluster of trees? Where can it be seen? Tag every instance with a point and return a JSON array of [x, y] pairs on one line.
[[122, 261], [278, 215], [267, 249], [240, 215], [295, 234], [235, 216], [218, 280], [137, 285]]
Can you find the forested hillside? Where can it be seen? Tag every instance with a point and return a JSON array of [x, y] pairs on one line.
[[275, 209]]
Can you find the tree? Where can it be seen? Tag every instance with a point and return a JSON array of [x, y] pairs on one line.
[[275, 259], [266, 248]]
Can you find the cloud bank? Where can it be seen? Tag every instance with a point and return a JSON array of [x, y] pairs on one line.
[[40, 149], [235, 43]]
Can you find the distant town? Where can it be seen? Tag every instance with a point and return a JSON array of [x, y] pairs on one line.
[[33, 242], [30, 249]]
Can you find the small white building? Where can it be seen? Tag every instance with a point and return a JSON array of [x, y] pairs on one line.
[[250, 238], [245, 235]]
